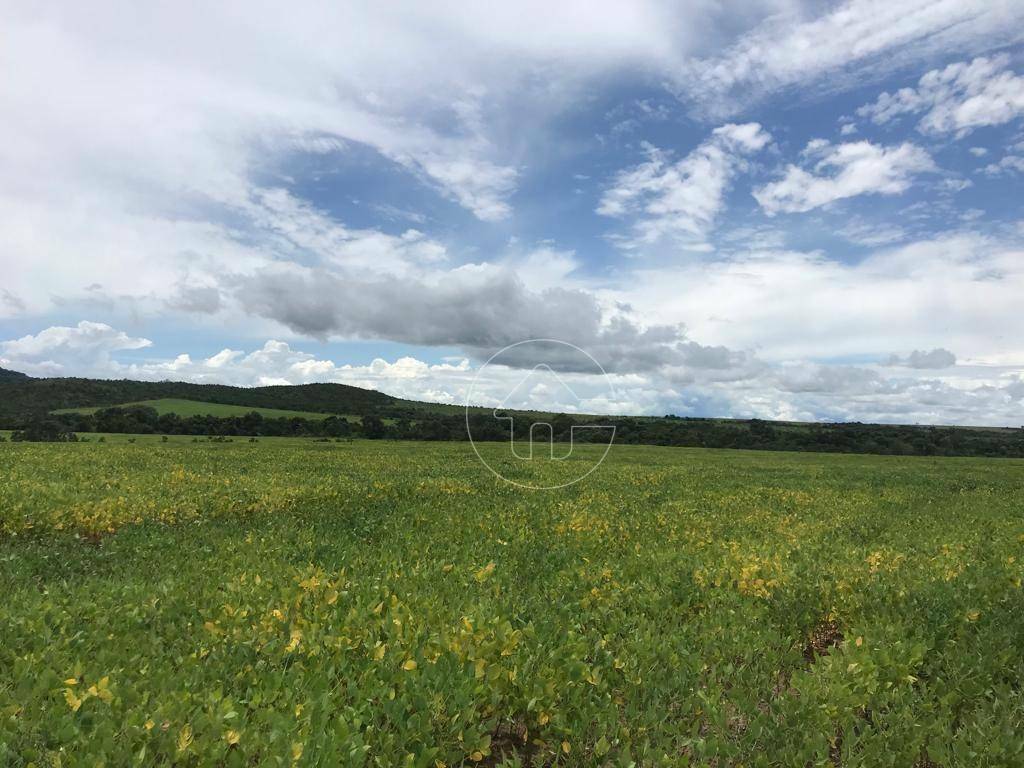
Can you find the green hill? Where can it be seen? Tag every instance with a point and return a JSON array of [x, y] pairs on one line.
[[23, 397], [302, 410], [186, 408]]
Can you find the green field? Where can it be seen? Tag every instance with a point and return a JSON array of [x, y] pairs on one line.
[[394, 604], [186, 408]]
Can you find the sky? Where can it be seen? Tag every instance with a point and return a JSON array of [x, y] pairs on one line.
[[783, 210]]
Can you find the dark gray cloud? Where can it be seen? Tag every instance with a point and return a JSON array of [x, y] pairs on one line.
[[479, 310], [838, 379], [937, 358], [202, 299]]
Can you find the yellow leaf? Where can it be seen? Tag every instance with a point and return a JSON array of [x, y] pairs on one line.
[[332, 597], [378, 652], [544, 718], [232, 737], [483, 573], [73, 701], [973, 615], [296, 752], [184, 737], [71, 681], [566, 747], [410, 665], [149, 725], [477, 756]]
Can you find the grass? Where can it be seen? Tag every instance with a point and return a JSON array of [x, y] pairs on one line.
[[187, 408], [387, 604]]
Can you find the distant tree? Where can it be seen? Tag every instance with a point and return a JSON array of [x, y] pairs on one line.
[[44, 431], [561, 427], [373, 427], [336, 426]]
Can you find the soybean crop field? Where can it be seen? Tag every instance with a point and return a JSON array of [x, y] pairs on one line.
[[395, 604]]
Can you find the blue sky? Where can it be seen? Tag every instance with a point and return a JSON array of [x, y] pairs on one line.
[[732, 216]]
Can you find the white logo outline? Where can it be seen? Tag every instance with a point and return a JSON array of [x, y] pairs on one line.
[[572, 429]]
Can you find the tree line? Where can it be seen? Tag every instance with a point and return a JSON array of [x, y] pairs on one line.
[[752, 434]]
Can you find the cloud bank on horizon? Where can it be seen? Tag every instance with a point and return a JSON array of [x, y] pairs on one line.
[[732, 218]]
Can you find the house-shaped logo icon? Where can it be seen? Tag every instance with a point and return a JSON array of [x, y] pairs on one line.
[[541, 377], [542, 415]]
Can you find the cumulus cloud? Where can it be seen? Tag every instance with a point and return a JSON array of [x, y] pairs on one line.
[[956, 99], [479, 308], [853, 393], [936, 358], [843, 171], [958, 290], [680, 200], [63, 350]]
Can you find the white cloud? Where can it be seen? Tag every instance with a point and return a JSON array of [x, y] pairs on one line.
[[188, 101], [144, 152], [681, 200], [857, 41], [871, 234], [842, 171], [1009, 164], [958, 291], [154, 265], [953, 185], [956, 99], [65, 351]]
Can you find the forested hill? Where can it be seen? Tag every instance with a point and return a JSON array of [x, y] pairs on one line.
[[29, 402], [23, 397]]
